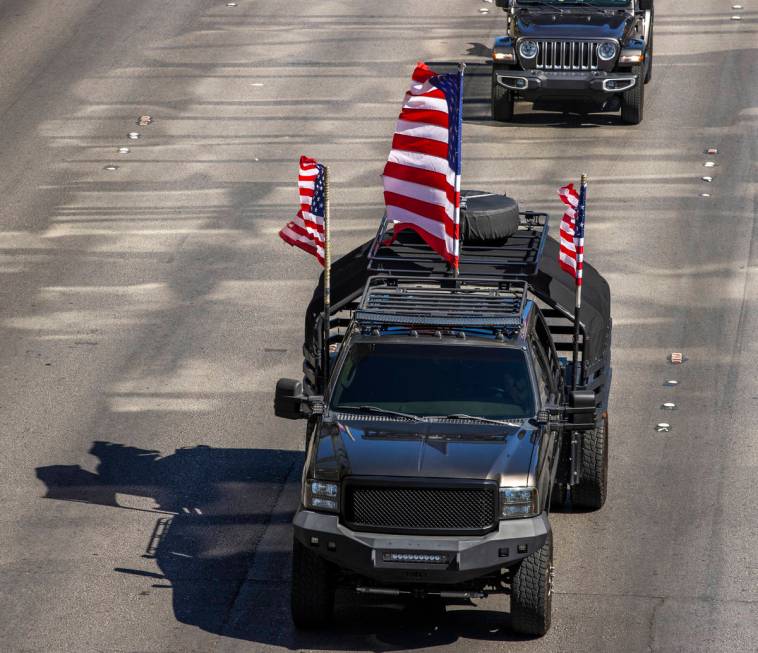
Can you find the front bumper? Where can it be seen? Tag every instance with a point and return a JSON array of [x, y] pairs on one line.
[[466, 558], [559, 83]]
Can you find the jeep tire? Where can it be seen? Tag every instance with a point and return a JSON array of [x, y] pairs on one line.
[[502, 101], [633, 100], [532, 592], [592, 488], [313, 588]]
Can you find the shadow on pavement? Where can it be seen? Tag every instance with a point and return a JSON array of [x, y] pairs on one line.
[[215, 506]]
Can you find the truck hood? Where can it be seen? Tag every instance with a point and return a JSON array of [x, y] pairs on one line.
[[576, 25], [425, 450]]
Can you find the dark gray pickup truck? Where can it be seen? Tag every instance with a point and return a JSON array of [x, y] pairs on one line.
[[448, 425]]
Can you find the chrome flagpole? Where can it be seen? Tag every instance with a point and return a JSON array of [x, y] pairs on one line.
[[327, 281], [579, 251]]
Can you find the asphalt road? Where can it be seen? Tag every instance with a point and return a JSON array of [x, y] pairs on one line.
[[147, 311]]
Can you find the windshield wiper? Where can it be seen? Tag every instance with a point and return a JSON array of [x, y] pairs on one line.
[[477, 418], [381, 411]]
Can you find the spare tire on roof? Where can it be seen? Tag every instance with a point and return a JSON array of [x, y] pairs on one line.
[[486, 217]]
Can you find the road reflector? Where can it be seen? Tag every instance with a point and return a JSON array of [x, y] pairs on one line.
[[663, 427]]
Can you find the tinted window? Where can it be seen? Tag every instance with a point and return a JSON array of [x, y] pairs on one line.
[[436, 380]]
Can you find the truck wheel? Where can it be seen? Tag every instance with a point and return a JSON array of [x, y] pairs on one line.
[[313, 587], [592, 488], [532, 592], [633, 100], [502, 102]]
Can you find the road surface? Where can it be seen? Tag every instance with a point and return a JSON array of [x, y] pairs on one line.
[[146, 312]]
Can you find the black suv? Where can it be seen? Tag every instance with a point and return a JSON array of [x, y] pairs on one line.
[[448, 425], [593, 54]]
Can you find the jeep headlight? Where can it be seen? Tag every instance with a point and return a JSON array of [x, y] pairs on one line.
[[607, 51], [322, 495], [519, 502], [528, 49]]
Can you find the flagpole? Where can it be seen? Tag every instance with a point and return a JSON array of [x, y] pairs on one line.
[[580, 215], [327, 280], [459, 146]]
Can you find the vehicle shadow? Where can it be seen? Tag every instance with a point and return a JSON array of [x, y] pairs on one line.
[[221, 543]]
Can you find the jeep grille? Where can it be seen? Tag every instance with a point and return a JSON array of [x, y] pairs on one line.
[[391, 507], [567, 55]]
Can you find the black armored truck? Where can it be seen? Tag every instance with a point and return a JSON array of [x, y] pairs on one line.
[[443, 418], [589, 55]]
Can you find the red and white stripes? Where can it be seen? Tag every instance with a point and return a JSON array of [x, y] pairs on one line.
[[421, 189], [571, 254]]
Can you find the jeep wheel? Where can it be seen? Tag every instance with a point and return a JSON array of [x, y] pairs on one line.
[[592, 488], [532, 592], [502, 101], [313, 586], [633, 100]]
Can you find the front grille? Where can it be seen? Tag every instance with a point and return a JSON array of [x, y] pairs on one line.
[[567, 55], [421, 509]]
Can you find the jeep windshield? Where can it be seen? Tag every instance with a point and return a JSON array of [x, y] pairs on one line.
[[435, 381]]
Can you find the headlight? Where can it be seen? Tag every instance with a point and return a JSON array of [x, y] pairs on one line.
[[631, 56], [503, 55], [528, 49], [606, 51], [517, 502], [322, 495]]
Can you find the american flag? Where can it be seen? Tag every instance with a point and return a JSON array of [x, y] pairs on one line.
[[571, 255], [422, 178], [306, 231]]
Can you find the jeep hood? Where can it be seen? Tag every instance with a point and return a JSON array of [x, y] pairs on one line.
[[576, 25], [425, 450]]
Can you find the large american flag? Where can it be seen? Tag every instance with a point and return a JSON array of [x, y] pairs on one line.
[[306, 231], [571, 255], [422, 178]]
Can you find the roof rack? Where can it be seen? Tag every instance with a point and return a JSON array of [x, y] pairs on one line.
[[442, 302], [517, 256]]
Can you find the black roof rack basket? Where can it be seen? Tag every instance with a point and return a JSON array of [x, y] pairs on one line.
[[517, 256], [442, 302]]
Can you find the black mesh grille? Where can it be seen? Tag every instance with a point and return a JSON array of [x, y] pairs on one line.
[[421, 509]]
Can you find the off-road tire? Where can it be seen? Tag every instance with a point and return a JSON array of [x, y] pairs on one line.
[[502, 101], [592, 488], [532, 592], [633, 100], [313, 587]]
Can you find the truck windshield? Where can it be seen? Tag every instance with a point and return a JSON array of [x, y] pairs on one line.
[[436, 380]]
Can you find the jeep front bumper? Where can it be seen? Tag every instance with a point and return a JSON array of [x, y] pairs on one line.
[[420, 559], [557, 83]]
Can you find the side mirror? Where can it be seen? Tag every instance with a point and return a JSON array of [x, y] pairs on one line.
[[646, 5], [289, 399], [582, 405]]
